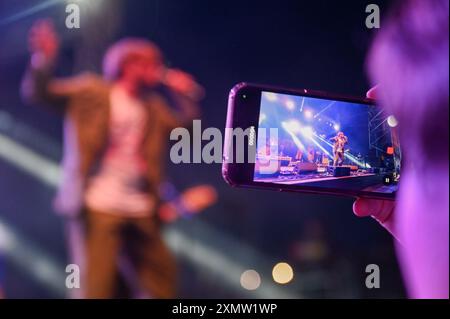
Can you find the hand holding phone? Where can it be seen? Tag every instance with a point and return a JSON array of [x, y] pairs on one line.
[[381, 210]]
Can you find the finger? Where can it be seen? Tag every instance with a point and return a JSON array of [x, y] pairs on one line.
[[212, 193], [41, 29], [168, 213], [180, 76], [200, 197], [372, 93], [34, 42], [44, 24], [381, 210], [38, 28]]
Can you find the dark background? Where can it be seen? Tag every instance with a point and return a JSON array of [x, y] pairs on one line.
[[301, 44]]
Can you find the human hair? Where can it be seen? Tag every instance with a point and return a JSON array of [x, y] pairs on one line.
[[123, 51]]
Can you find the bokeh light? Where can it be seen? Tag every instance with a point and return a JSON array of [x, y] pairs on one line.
[[250, 279], [282, 273]]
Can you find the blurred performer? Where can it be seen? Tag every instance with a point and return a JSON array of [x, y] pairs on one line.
[[299, 155], [340, 140], [288, 148], [319, 157], [115, 135], [311, 154]]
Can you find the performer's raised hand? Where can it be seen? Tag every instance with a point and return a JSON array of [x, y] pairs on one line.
[[43, 40]]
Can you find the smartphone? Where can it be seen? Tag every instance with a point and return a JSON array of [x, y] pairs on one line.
[[310, 142]]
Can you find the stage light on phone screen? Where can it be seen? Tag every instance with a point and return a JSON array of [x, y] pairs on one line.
[[290, 105], [272, 97], [392, 121], [308, 114]]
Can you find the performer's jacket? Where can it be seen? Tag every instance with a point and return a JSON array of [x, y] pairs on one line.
[[84, 102]]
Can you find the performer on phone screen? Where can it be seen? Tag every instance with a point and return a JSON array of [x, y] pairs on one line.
[[340, 140]]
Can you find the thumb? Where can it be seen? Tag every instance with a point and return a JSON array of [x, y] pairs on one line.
[[372, 93], [381, 210]]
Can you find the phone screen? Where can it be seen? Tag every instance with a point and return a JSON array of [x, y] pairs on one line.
[[323, 143]]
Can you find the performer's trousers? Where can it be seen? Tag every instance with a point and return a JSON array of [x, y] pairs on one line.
[[338, 159], [140, 238]]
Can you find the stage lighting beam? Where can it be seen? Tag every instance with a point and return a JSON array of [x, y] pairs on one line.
[[287, 126], [262, 118]]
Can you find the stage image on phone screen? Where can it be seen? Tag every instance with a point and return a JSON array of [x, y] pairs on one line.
[[327, 143]]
